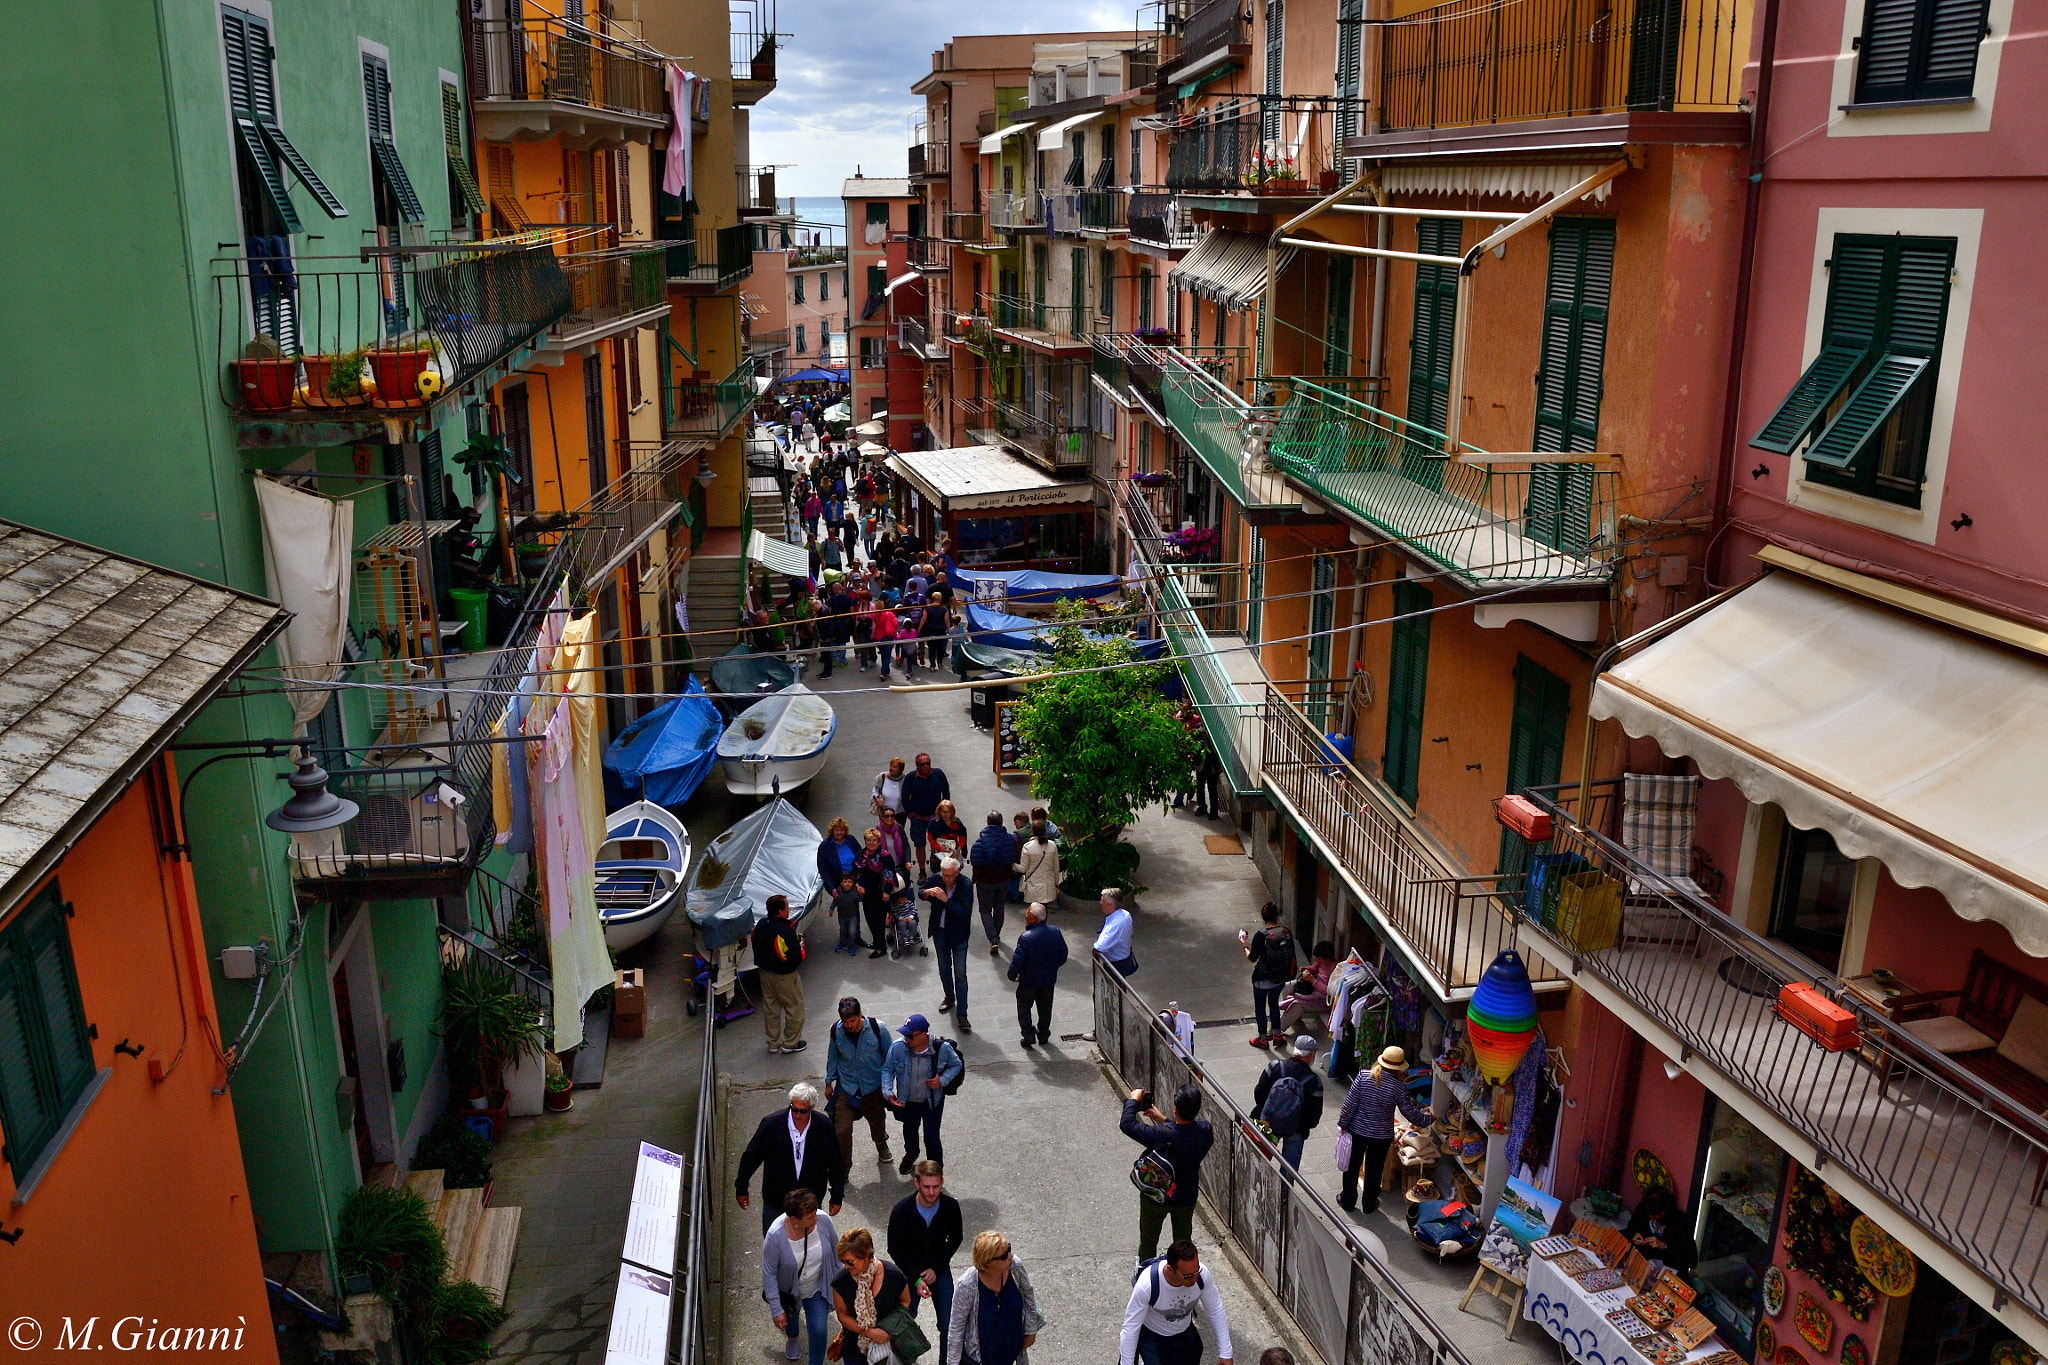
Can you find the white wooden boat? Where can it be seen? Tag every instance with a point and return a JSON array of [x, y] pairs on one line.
[[777, 744], [639, 873]]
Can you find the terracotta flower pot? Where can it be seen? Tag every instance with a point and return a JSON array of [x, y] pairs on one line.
[[319, 394], [266, 385], [560, 1101], [398, 375]]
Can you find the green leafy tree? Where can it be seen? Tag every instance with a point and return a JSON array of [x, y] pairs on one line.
[[1104, 744]]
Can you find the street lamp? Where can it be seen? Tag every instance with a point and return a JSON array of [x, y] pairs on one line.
[[314, 815]]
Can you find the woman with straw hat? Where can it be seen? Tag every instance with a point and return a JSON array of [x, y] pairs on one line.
[[1369, 1118]]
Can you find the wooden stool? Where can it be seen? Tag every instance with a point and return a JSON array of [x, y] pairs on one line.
[[1496, 1284]]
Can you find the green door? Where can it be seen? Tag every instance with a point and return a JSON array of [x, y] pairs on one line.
[[1535, 741], [1429, 349], [1407, 678], [1569, 380], [1322, 620]]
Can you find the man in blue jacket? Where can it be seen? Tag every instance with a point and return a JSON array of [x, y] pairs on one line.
[[914, 1082], [1035, 967], [855, 1050], [994, 856], [951, 897]]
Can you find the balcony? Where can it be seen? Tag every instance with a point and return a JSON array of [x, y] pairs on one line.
[[1159, 222], [1015, 212], [1224, 430], [1282, 145], [929, 255], [713, 260], [1134, 358], [1042, 326], [768, 340], [611, 292], [1211, 32], [541, 76], [1086, 213], [1041, 429], [931, 160], [1489, 521], [1662, 70], [817, 255], [966, 227], [698, 408], [754, 41], [1950, 1156], [757, 198], [297, 338], [916, 338]]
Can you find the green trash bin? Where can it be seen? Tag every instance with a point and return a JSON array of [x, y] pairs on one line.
[[473, 605]]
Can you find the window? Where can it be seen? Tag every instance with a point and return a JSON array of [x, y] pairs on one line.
[[593, 420], [506, 212], [45, 1045], [1815, 889], [797, 283], [871, 353], [633, 396], [622, 177], [1919, 50], [263, 153], [1105, 295], [1276, 47], [464, 198], [823, 292], [1429, 345], [1881, 346], [1337, 316], [1077, 290], [518, 433], [1254, 585], [1569, 379], [878, 280], [800, 339], [392, 187], [1535, 741], [1407, 679], [1136, 144], [877, 223], [1145, 299]]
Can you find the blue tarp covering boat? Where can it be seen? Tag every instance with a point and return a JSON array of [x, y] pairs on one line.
[[1030, 585], [986, 627], [665, 755]]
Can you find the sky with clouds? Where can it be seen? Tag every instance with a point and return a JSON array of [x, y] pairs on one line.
[[842, 97]]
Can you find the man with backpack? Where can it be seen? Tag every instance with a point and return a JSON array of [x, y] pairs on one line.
[[1289, 1098], [1169, 1174], [920, 1072], [1271, 953], [855, 1050], [1159, 1324]]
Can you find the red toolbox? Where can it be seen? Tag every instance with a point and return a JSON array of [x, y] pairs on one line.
[[1524, 817], [1818, 1017]]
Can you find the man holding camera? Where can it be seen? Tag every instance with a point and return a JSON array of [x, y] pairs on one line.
[[1171, 1167]]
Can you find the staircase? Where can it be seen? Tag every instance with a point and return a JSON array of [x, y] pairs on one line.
[[765, 494], [480, 1239], [714, 598]]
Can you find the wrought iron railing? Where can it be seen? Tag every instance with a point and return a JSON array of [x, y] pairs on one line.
[[918, 339], [647, 495], [1474, 61], [698, 1335], [929, 255], [930, 159], [615, 283], [1485, 518], [699, 407], [1268, 144], [542, 57], [1208, 26], [1045, 324], [754, 40], [1045, 428], [1450, 927], [1962, 1160], [1135, 358], [1157, 218], [1016, 212], [324, 338], [768, 338], [1318, 1263], [1207, 414], [719, 257], [1074, 212]]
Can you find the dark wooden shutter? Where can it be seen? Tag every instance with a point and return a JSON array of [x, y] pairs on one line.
[[458, 154], [45, 1047], [1919, 50], [1077, 290], [1337, 316], [593, 422], [1569, 379], [1407, 683], [1955, 29], [1535, 737], [383, 147], [518, 422], [1350, 67], [1429, 348], [1276, 50], [1906, 297]]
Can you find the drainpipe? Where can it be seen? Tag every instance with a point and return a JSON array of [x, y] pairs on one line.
[[1320, 207], [1752, 204], [1375, 362]]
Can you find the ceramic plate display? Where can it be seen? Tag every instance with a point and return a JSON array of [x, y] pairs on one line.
[[1766, 1343], [1774, 1290], [1812, 1322], [1854, 1352], [1599, 1278], [2009, 1352], [1650, 1171], [1788, 1356], [1551, 1247], [1881, 1257]]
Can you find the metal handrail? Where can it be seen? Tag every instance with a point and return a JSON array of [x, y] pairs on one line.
[[710, 409], [1263, 143], [1935, 1131], [695, 1345], [1149, 1058]]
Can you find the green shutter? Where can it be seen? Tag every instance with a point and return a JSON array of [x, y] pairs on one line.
[[288, 155], [267, 174], [1541, 711], [1254, 584], [1919, 295], [1429, 345], [1569, 379], [1919, 50], [458, 154], [1350, 67], [1955, 29], [1275, 66], [1867, 409], [1905, 281], [1322, 619], [878, 280], [1077, 289], [45, 1048], [1802, 409], [1407, 682], [1855, 284], [383, 150], [1337, 317]]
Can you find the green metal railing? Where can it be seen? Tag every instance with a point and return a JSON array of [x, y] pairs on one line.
[[699, 408], [1210, 417], [1486, 519]]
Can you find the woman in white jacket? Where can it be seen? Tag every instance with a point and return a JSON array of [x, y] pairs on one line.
[[1038, 868]]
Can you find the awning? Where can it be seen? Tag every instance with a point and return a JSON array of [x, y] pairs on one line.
[[992, 145], [1905, 739], [968, 478], [899, 282], [781, 557], [1514, 181], [1228, 268], [1053, 136]]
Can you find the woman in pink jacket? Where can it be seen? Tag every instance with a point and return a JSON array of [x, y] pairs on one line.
[[882, 619]]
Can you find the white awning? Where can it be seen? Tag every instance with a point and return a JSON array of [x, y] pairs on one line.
[[1228, 268], [992, 145], [899, 281], [1053, 136], [1514, 181], [1907, 740], [781, 557]]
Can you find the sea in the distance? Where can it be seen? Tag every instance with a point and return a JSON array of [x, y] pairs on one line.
[[814, 211]]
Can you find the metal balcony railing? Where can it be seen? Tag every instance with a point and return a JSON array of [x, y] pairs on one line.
[[1043, 427], [718, 257], [929, 255], [1209, 26], [1487, 519], [1156, 218], [699, 407], [817, 255], [754, 40], [1191, 599], [966, 227], [916, 338], [615, 283], [1473, 62], [1958, 1158], [768, 338], [1451, 928], [1207, 413], [541, 57], [1073, 212], [1135, 358], [933, 159], [1015, 212], [1266, 144], [297, 337], [1040, 324]]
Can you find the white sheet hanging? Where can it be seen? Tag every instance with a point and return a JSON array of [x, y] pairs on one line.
[[306, 545]]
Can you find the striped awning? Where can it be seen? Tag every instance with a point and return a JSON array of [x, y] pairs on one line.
[[781, 557], [1227, 268]]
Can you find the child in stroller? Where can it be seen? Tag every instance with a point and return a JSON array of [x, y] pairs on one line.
[[903, 931]]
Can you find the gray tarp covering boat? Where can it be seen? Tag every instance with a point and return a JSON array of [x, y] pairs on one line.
[[740, 670], [774, 851]]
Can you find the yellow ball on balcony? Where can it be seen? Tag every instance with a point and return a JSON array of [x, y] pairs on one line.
[[430, 384]]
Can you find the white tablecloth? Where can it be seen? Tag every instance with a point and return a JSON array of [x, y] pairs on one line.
[[1578, 1320]]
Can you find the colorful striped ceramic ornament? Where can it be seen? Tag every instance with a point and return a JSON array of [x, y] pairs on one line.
[[1501, 1019]]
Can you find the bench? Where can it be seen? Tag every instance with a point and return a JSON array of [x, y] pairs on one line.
[[1971, 1036]]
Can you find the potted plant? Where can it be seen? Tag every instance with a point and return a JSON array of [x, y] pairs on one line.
[[337, 381], [398, 367], [389, 1235], [559, 1099], [265, 377], [487, 1027]]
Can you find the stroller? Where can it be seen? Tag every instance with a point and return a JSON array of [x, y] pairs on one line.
[[903, 933]]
